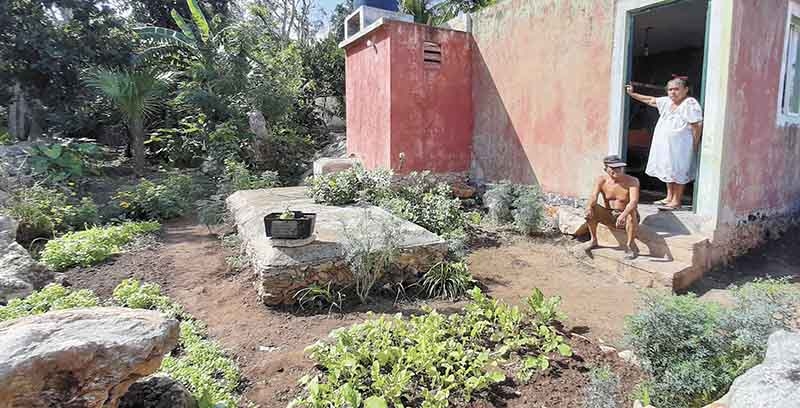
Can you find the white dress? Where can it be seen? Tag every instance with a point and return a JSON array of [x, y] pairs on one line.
[[672, 152]]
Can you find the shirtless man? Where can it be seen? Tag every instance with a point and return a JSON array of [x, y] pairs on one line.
[[621, 196]]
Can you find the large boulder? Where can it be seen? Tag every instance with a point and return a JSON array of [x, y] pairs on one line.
[[776, 381], [80, 357], [158, 391], [20, 275]]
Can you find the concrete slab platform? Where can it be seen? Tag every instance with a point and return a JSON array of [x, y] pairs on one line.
[[282, 271]]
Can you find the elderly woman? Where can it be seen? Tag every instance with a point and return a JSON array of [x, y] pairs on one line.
[[676, 138]]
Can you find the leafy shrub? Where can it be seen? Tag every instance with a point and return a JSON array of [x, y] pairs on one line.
[[170, 198], [368, 253], [183, 145], [448, 280], [528, 211], [499, 201], [694, 350], [235, 177], [238, 177], [51, 297], [517, 204], [429, 360], [42, 212], [602, 390], [93, 245], [61, 161], [433, 208], [349, 186]]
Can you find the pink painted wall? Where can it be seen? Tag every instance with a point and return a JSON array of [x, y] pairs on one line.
[[419, 109], [541, 73], [761, 160], [431, 104], [367, 95]]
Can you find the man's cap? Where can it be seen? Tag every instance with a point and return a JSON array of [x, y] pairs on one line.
[[614, 161]]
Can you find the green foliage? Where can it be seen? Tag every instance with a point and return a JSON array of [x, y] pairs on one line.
[[200, 364], [602, 390], [420, 9], [51, 297], [428, 360], [349, 186], [518, 204], [369, 253], [167, 199], [319, 296], [448, 280], [426, 203], [238, 177], [235, 177], [528, 210], [5, 137], [181, 146], [42, 212], [137, 295], [694, 350], [61, 161], [93, 245], [44, 51]]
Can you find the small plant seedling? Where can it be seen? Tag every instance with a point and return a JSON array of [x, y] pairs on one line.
[[287, 215]]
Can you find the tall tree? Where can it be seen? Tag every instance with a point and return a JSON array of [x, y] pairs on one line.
[[44, 45]]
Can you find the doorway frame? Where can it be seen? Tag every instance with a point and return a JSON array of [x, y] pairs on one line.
[[715, 91]]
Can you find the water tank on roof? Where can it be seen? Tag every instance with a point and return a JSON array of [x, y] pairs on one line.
[[390, 5]]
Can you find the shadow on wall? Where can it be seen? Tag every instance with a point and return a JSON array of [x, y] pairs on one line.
[[497, 152]]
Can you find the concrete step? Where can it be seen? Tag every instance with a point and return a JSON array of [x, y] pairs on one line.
[[672, 251], [645, 271]]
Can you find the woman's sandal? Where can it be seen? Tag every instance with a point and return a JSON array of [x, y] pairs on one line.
[[669, 208], [661, 202]]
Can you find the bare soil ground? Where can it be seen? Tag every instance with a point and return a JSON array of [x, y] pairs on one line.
[[190, 266]]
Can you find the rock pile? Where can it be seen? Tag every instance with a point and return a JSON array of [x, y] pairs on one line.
[[20, 275]]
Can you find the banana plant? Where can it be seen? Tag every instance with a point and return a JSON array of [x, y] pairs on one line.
[[196, 40]]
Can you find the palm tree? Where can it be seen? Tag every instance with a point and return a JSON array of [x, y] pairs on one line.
[[136, 96]]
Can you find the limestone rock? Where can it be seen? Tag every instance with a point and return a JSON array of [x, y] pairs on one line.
[[571, 221], [776, 381], [20, 275], [80, 357], [158, 391], [629, 357], [327, 165], [258, 124]]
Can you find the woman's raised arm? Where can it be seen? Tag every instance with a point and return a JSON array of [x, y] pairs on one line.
[[649, 100]]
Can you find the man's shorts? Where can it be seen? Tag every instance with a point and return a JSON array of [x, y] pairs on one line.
[[609, 217]]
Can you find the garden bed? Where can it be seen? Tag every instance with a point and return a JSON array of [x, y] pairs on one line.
[[268, 343]]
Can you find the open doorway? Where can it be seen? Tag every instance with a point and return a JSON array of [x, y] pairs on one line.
[[665, 39]]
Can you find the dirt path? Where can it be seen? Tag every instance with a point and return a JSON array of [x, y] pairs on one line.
[[595, 303], [190, 266]]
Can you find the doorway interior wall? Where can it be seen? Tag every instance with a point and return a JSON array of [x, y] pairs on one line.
[[713, 91]]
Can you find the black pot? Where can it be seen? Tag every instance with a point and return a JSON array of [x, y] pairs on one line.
[[301, 226]]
